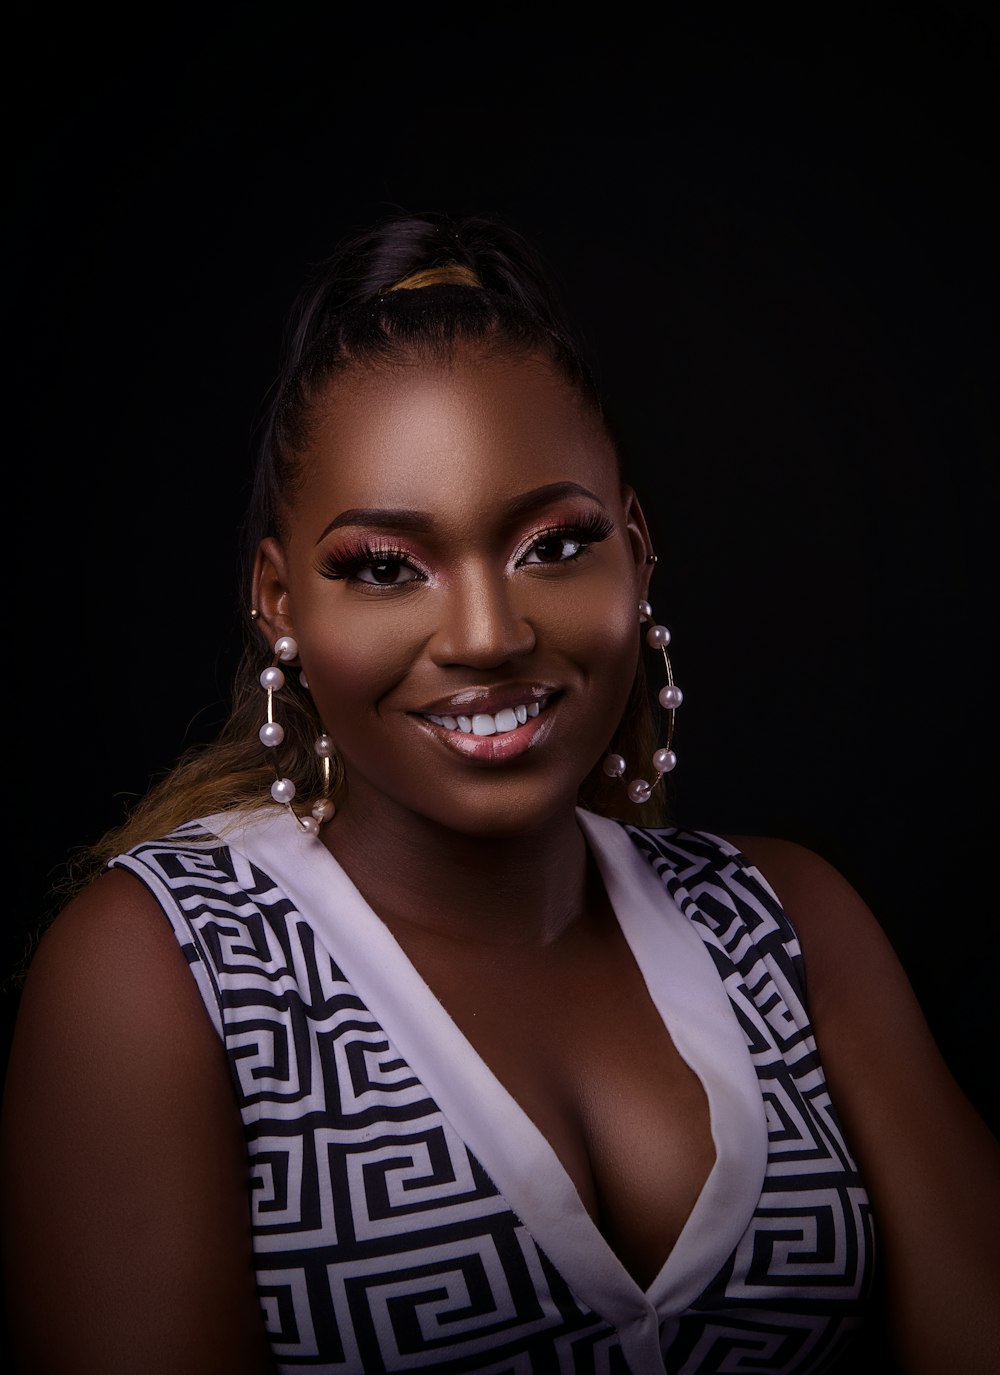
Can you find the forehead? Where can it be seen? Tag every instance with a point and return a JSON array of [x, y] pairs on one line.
[[477, 427]]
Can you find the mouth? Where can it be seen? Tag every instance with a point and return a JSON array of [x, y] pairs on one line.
[[484, 723], [493, 737]]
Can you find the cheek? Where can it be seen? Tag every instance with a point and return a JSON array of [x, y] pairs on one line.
[[350, 673], [601, 627], [604, 644]]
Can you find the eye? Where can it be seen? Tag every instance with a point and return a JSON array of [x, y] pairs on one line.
[[386, 573], [370, 566], [553, 548], [566, 541]]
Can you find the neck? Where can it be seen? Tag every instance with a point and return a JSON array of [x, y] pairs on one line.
[[524, 889]]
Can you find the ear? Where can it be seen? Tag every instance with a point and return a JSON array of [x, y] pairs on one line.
[[270, 591], [639, 540]]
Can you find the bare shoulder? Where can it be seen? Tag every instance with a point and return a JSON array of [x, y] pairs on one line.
[[114, 918], [929, 1161], [122, 1145], [847, 952], [801, 877], [108, 1011], [110, 959]]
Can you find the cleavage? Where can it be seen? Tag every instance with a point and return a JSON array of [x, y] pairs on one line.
[[572, 1034]]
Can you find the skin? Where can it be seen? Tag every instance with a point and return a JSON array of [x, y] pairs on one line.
[[502, 914]]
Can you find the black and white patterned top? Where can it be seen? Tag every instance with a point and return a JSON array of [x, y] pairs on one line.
[[408, 1215]]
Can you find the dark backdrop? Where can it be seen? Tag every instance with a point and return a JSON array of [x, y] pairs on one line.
[[780, 240]]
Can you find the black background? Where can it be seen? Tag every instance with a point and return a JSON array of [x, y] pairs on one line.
[[778, 233]]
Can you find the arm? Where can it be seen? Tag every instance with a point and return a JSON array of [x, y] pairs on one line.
[[930, 1164], [125, 1210]]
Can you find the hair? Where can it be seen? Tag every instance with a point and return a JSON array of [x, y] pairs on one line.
[[411, 286]]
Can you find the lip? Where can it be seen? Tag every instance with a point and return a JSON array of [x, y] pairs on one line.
[[501, 748], [489, 700]]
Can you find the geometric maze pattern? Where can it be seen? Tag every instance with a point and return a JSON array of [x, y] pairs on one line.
[[380, 1242], [796, 1287]]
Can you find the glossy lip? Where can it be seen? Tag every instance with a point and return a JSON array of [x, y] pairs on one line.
[[493, 749], [490, 700]]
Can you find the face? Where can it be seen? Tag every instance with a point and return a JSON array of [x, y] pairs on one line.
[[461, 570]]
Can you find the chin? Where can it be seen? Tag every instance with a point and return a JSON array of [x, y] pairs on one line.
[[504, 812]]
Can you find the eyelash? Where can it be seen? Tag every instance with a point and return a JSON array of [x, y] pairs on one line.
[[589, 529], [352, 559]]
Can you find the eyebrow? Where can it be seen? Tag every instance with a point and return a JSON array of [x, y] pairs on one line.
[[402, 518]]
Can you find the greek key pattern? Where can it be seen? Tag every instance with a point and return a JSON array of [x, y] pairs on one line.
[[381, 1244], [795, 1288]]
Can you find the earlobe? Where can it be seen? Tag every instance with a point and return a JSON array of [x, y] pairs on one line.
[[270, 591]]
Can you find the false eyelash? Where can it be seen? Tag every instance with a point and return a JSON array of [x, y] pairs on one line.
[[592, 527], [348, 561]]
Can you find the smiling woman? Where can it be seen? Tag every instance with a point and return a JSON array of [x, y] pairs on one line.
[[499, 569], [406, 1034]]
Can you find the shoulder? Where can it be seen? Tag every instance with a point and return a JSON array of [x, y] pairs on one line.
[[703, 868], [850, 966], [791, 867], [931, 1165], [109, 970], [115, 918], [812, 891], [848, 957], [117, 1078], [111, 1027]]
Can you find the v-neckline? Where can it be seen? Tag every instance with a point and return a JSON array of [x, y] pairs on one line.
[[686, 991]]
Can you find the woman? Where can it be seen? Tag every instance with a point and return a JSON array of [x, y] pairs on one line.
[[431, 1066]]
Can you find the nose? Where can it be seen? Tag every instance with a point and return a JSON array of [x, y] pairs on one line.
[[480, 626]]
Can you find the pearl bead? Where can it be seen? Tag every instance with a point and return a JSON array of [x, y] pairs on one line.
[[645, 611], [323, 809], [323, 745], [283, 790], [286, 648], [614, 766], [664, 761], [304, 680], [310, 824], [657, 637], [271, 734], [272, 678], [639, 790], [671, 697]]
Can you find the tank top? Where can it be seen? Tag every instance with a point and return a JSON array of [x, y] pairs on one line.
[[405, 1212]]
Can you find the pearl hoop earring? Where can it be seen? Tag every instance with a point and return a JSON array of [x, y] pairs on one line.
[[272, 733], [670, 697]]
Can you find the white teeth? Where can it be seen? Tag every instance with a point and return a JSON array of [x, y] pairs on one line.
[[484, 723]]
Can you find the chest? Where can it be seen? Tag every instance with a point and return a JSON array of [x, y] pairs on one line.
[[398, 1206], [576, 1040]]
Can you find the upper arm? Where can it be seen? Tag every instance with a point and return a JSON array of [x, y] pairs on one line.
[[930, 1164], [125, 1208]]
